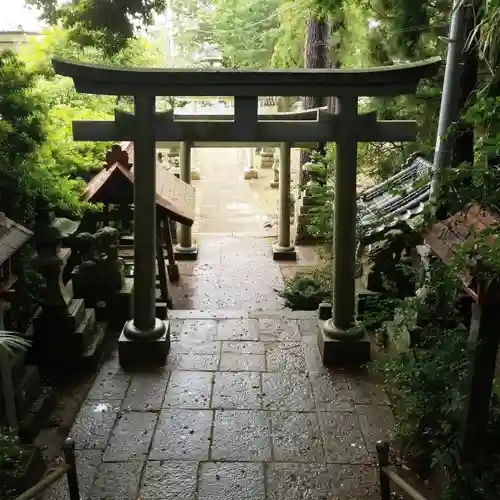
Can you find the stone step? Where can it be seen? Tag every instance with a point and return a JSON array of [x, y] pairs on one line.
[[37, 415]]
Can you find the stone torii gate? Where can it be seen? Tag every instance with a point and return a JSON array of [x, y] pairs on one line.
[[146, 338]]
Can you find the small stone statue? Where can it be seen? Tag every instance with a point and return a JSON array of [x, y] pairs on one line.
[[85, 275], [110, 266]]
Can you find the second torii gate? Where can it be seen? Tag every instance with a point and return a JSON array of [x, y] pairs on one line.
[[145, 337]]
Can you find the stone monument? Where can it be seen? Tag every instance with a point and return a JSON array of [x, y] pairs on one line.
[[308, 203], [267, 158], [64, 330], [100, 278]]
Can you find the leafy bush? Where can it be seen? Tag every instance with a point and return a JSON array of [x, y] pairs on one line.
[[429, 385], [306, 290], [10, 465]]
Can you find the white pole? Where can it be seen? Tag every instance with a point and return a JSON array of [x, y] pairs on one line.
[[449, 100]]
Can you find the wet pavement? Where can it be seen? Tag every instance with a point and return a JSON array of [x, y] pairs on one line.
[[244, 409]]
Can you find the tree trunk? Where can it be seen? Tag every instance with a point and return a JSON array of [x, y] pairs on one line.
[[316, 56], [462, 147]]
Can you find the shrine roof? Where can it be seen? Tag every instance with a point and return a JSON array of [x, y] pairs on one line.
[[386, 80], [446, 236], [12, 237], [172, 194], [397, 200]]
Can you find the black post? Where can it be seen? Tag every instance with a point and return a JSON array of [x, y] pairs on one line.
[[160, 260], [69, 456], [383, 461], [481, 376]]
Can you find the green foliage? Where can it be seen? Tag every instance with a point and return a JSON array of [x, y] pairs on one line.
[[244, 32], [11, 455], [27, 167], [306, 290], [429, 384], [104, 24]]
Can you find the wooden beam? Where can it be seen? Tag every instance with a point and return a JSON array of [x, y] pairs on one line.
[[365, 130], [382, 81]]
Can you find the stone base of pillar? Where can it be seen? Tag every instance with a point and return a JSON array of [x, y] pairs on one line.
[[349, 348], [173, 272], [195, 174], [274, 184], [140, 354], [284, 253], [250, 173], [186, 253]]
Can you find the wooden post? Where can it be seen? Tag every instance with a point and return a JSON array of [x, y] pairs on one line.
[[383, 461], [105, 214], [162, 271], [486, 340], [284, 250], [185, 250], [172, 267]]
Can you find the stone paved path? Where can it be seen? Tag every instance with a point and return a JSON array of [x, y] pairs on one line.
[[231, 272], [225, 202], [243, 409], [234, 269]]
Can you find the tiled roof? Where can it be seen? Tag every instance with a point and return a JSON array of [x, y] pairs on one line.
[[445, 237], [396, 200], [12, 237]]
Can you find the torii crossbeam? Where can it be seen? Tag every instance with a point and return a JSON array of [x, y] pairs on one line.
[[146, 127]]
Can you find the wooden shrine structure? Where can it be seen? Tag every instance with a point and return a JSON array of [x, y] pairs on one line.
[[482, 286], [143, 336], [12, 237]]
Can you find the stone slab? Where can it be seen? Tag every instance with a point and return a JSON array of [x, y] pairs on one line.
[[189, 389], [285, 357], [342, 352], [332, 392], [241, 436], [242, 362], [231, 481], [296, 437], [237, 391], [278, 329], [299, 481], [182, 435], [237, 329], [131, 436], [147, 391], [117, 480], [169, 481], [377, 423], [287, 391], [94, 423], [342, 437]]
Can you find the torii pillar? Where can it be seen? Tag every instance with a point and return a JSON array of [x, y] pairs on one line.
[[144, 339]]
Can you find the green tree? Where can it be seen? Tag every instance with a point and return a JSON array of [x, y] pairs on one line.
[[105, 24], [64, 104], [27, 166]]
